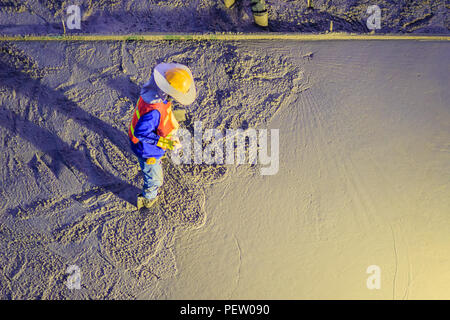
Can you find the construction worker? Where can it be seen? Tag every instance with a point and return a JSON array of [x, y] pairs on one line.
[[153, 125], [259, 11]]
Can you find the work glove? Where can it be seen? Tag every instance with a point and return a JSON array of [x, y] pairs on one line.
[[168, 143]]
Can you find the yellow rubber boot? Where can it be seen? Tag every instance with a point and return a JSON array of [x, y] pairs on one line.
[[229, 3], [260, 14], [261, 18]]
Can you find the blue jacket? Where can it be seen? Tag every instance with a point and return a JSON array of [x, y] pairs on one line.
[[145, 129]]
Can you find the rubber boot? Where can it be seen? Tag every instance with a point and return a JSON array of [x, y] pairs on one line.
[[260, 13], [143, 202], [261, 18], [229, 3]]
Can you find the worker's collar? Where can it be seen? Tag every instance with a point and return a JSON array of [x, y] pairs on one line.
[[168, 99]]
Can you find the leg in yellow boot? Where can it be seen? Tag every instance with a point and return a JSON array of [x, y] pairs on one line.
[[260, 14]]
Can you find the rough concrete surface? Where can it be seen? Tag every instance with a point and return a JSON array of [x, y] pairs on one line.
[[364, 156]]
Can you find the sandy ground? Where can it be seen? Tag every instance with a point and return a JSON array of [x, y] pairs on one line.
[[131, 16], [364, 157], [364, 173]]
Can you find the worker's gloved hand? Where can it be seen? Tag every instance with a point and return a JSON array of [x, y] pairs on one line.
[[165, 143]]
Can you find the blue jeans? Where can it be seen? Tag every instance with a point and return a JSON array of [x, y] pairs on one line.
[[153, 178]]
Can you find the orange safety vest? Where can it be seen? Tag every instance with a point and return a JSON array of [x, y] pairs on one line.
[[168, 125]]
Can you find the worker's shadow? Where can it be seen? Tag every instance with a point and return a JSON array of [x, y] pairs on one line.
[[60, 152]]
